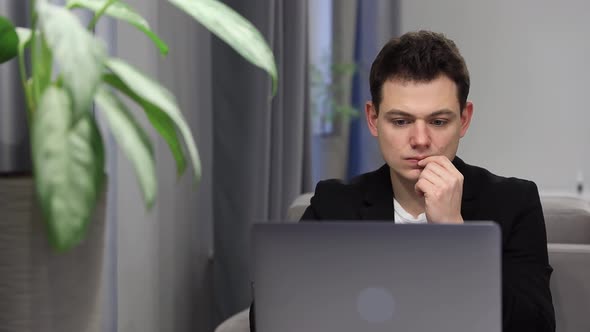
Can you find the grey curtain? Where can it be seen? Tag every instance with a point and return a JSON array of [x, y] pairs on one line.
[[162, 257], [186, 215], [260, 148], [14, 141]]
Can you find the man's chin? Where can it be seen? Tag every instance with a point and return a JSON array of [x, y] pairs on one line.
[[413, 174], [410, 175]]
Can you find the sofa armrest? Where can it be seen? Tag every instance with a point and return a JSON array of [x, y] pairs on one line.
[[569, 285]]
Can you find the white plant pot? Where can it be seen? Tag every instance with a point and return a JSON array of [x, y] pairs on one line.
[[40, 289]]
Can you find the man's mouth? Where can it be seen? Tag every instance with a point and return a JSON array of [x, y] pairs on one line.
[[413, 162], [417, 159]]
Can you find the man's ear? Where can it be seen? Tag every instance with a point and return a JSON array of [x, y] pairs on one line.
[[372, 118], [466, 118]]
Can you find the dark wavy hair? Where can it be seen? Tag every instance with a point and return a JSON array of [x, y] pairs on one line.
[[419, 56]]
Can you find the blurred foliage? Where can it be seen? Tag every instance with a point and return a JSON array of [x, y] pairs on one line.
[[330, 83]]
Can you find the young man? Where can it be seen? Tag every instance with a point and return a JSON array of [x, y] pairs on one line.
[[418, 113]]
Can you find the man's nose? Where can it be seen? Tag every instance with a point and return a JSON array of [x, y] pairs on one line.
[[420, 137]]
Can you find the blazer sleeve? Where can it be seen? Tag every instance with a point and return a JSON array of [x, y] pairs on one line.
[[333, 200], [527, 301], [322, 190], [251, 316], [310, 213]]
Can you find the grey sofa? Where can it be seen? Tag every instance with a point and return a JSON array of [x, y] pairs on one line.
[[568, 232], [567, 219]]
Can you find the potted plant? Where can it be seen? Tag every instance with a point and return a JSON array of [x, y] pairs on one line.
[[64, 71], [329, 81]]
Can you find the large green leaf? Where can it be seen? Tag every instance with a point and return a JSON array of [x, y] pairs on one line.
[[68, 159], [79, 55], [160, 120], [234, 29], [42, 66], [132, 140], [24, 39], [123, 12], [8, 40], [157, 95]]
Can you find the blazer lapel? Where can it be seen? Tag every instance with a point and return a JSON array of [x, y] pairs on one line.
[[378, 199], [470, 187]]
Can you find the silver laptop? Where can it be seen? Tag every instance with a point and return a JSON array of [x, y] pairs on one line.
[[370, 277]]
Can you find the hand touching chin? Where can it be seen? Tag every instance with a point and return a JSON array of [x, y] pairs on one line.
[[441, 185]]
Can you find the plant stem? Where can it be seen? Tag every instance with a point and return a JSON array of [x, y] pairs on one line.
[[32, 94], [23, 78], [98, 14]]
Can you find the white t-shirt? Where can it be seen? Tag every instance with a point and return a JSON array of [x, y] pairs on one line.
[[401, 216]]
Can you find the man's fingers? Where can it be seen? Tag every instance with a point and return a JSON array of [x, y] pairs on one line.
[[444, 163], [440, 160], [448, 165], [431, 176], [437, 170], [424, 186]]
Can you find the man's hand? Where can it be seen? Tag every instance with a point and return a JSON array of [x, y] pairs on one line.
[[441, 185]]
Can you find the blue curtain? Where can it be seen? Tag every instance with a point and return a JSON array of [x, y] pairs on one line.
[[361, 143]]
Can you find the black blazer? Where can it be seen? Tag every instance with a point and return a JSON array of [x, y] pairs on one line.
[[513, 203]]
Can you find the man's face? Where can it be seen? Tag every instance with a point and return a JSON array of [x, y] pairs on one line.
[[417, 120]]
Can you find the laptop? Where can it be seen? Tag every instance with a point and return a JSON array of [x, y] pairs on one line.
[[375, 276]]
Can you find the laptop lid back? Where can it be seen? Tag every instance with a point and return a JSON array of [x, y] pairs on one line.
[[365, 276]]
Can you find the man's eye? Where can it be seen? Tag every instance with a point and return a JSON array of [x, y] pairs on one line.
[[439, 122], [400, 122]]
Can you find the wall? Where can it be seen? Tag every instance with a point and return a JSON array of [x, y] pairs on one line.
[[529, 68]]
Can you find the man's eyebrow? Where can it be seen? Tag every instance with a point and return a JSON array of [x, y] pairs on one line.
[[394, 111], [442, 112]]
